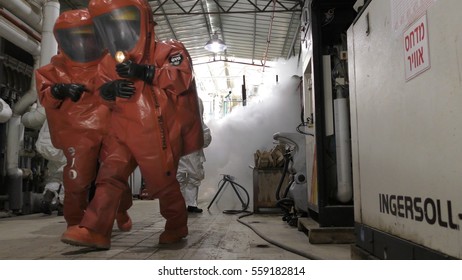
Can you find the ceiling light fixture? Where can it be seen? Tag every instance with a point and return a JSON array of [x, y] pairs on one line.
[[215, 45]]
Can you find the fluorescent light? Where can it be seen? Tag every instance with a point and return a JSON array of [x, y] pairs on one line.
[[215, 45]]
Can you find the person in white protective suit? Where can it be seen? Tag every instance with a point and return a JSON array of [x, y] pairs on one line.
[[191, 169], [53, 193]]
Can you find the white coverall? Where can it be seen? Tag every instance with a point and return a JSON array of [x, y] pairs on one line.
[[191, 169], [56, 163]]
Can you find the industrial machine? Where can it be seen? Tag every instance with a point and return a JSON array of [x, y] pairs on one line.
[[26, 42], [295, 195], [326, 111], [405, 105]]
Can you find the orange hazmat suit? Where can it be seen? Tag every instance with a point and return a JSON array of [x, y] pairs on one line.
[[77, 120], [158, 124]]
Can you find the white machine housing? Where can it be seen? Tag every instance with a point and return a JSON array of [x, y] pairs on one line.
[[298, 190], [406, 131]]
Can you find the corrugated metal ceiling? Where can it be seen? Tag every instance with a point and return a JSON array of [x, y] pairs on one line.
[[257, 30]]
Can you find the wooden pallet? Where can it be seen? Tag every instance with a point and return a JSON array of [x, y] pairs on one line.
[[325, 235]]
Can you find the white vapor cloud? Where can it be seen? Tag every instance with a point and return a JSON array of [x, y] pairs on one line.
[[237, 136]]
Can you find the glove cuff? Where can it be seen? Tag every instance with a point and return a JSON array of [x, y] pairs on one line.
[[106, 92], [56, 91], [150, 70]]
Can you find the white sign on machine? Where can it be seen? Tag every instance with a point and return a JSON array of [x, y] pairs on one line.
[[416, 48], [404, 12]]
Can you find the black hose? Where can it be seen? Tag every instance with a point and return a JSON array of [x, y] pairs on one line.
[[247, 213], [276, 243], [284, 172], [245, 205], [286, 192], [285, 204]]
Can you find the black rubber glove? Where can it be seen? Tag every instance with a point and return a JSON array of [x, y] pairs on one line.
[[62, 91], [119, 88], [130, 69]]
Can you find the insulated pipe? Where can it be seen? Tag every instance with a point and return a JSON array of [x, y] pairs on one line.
[[343, 147], [25, 12], [29, 97], [19, 23], [14, 137], [49, 44], [36, 117], [18, 37], [5, 111], [15, 128]]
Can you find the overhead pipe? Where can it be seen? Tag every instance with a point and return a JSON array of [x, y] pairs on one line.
[[15, 35], [268, 40], [19, 23], [25, 11]]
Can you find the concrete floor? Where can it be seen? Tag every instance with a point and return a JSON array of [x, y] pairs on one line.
[[213, 236]]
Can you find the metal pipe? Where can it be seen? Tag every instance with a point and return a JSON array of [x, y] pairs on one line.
[[29, 97], [268, 40], [14, 138], [18, 37], [49, 47], [42, 55], [16, 21], [244, 92], [230, 61], [26, 12], [5, 111], [49, 44], [343, 147]]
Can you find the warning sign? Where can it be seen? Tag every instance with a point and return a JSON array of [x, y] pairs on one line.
[[416, 48]]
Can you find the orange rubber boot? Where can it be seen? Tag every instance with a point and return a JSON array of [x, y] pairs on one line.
[[124, 222], [173, 209], [82, 236], [173, 236]]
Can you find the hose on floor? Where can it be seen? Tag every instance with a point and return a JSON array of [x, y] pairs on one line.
[[245, 204], [228, 179], [275, 243]]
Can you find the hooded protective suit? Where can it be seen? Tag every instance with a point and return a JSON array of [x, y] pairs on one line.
[[77, 120], [191, 169], [53, 192], [157, 124]]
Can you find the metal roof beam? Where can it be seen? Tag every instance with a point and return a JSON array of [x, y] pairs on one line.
[[168, 21], [278, 7]]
